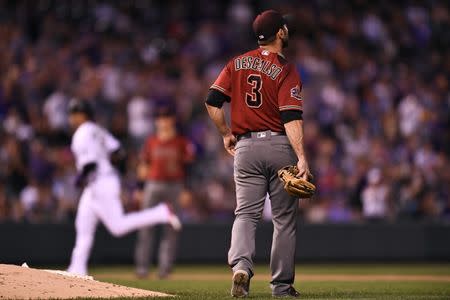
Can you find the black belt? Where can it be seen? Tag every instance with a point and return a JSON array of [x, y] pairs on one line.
[[259, 134]]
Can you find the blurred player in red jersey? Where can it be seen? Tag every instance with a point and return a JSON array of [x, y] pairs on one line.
[[163, 162], [266, 134]]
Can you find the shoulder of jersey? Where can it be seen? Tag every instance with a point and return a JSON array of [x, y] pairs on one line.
[[248, 53], [84, 130], [87, 126], [265, 53], [283, 61]]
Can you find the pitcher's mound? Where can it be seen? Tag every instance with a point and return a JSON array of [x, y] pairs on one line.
[[26, 283]]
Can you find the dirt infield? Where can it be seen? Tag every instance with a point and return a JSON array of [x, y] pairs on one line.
[[300, 277], [26, 283]]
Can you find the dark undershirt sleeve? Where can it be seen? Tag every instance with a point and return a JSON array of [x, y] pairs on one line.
[[118, 159], [216, 98], [82, 177], [290, 115], [88, 168]]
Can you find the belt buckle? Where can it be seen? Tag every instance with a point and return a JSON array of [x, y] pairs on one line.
[[261, 135]]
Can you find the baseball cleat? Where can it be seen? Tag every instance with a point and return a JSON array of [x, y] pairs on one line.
[[141, 274], [174, 221], [290, 293], [240, 285]]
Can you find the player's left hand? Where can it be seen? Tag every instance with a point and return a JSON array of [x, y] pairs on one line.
[[229, 142], [303, 169]]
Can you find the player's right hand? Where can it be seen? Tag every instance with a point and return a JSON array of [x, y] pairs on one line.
[[229, 142]]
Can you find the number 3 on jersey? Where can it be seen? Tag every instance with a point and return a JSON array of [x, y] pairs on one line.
[[254, 99]]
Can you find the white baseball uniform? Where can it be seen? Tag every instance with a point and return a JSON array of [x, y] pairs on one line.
[[100, 200]]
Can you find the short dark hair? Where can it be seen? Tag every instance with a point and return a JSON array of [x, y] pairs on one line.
[[268, 41], [81, 106]]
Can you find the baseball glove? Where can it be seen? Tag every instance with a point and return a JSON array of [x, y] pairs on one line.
[[295, 186]]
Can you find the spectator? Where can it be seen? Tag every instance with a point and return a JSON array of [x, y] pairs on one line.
[[139, 121], [375, 197], [38, 202]]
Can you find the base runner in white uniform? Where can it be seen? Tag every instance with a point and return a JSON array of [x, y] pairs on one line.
[[98, 157]]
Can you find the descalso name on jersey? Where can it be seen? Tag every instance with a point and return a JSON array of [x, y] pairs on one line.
[[257, 64]]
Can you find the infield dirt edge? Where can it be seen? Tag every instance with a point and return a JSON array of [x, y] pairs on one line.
[[27, 283]]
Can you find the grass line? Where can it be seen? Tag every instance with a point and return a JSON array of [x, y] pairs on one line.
[[326, 282]]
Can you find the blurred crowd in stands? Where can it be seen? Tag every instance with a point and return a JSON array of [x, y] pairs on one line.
[[376, 96]]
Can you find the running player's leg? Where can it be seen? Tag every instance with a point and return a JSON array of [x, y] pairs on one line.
[[168, 245], [284, 215], [145, 238], [251, 189], [85, 225], [110, 210]]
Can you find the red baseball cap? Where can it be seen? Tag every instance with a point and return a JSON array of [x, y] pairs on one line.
[[267, 24]]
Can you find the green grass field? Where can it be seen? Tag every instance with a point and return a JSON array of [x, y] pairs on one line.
[[321, 281]]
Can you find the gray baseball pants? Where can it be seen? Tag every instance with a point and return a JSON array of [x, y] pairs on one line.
[[256, 163], [155, 193]]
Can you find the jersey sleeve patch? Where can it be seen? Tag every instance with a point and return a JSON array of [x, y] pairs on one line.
[[295, 93]]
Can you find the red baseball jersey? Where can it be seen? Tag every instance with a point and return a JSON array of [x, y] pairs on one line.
[[260, 84], [167, 159]]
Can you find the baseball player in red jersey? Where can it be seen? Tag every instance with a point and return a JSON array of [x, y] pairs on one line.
[[266, 134], [164, 157]]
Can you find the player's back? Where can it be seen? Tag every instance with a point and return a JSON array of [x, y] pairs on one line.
[[92, 143], [255, 87]]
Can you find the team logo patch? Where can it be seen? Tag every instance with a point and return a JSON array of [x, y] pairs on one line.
[[295, 93], [265, 52]]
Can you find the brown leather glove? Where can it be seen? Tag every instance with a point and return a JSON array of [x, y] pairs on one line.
[[295, 186]]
